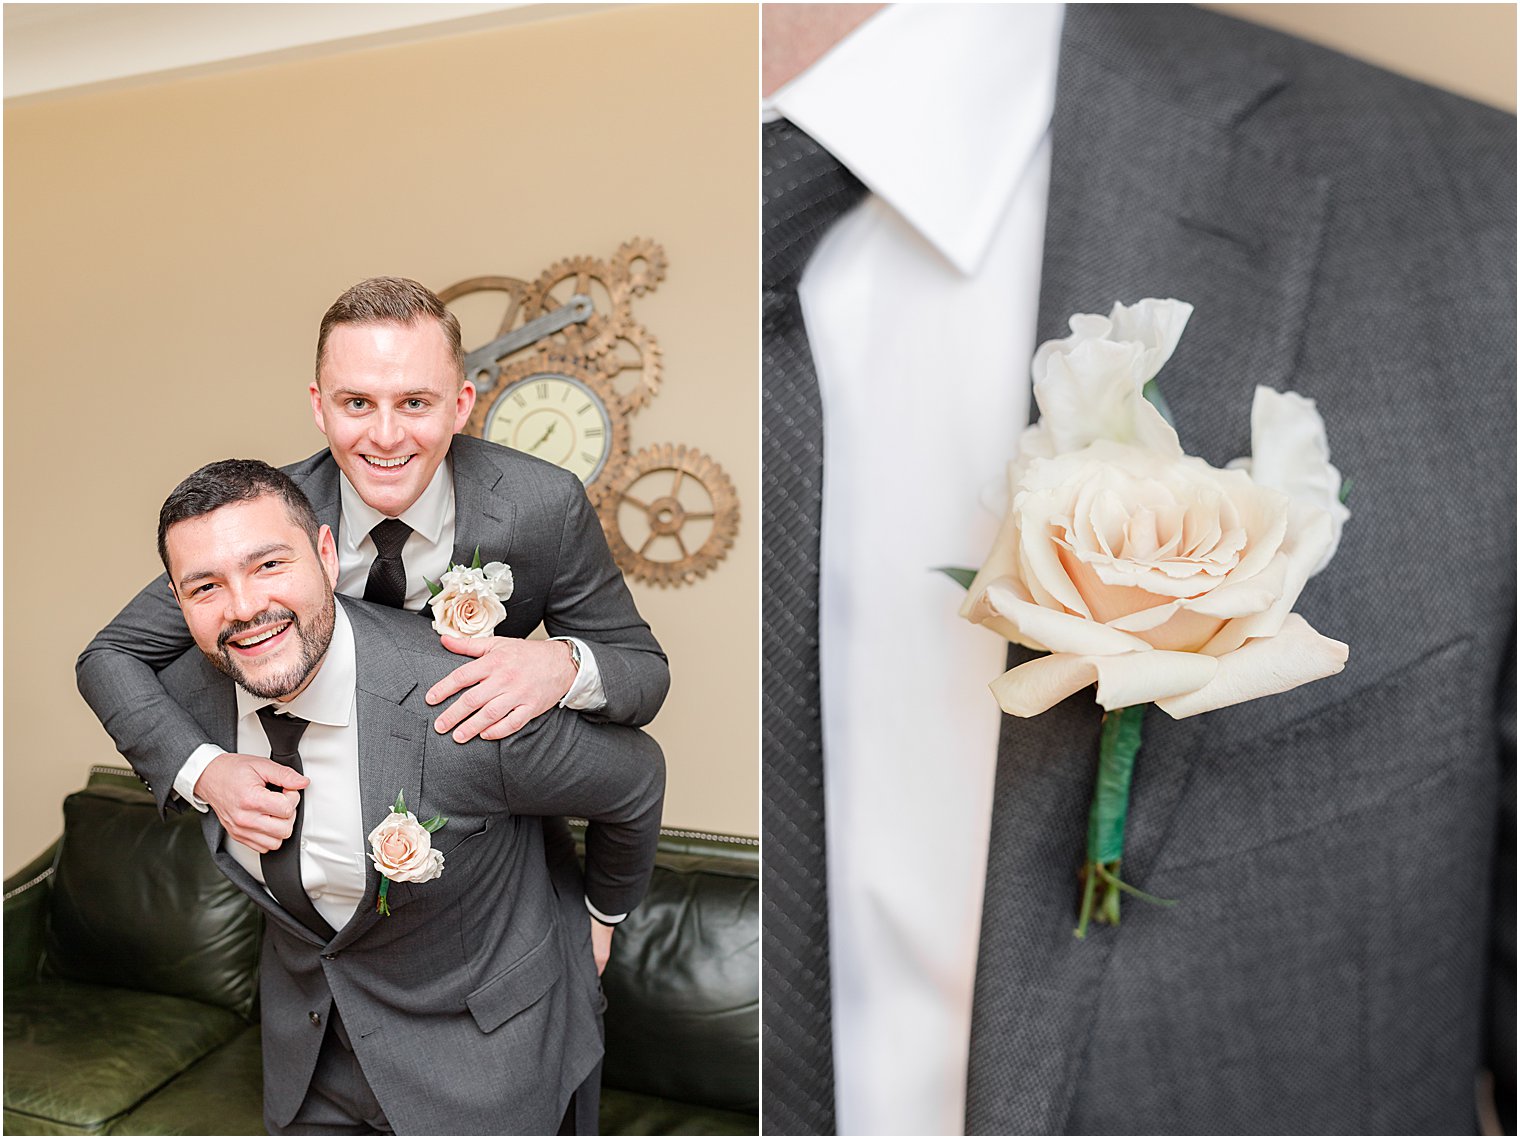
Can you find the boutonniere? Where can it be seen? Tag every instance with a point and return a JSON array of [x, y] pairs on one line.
[[468, 600], [1144, 570], [402, 850]]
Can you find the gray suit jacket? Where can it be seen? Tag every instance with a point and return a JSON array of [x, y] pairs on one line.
[[1342, 957], [517, 509], [474, 1007]]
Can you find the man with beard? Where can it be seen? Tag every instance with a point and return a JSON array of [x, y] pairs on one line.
[[394, 1020]]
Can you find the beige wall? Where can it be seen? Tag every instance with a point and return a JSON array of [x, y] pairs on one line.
[[1466, 48], [169, 249]]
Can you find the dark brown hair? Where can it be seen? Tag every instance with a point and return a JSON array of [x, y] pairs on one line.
[[390, 300], [227, 481]]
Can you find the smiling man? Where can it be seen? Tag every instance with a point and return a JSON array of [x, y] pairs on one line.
[[472, 1006], [405, 497]]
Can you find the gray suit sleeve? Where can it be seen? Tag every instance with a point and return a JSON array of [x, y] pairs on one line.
[[117, 675], [614, 776], [590, 600], [1501, 1002]]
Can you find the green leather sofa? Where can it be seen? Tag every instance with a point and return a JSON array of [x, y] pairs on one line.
[[131, 985]]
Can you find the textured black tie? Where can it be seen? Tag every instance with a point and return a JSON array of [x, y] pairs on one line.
[[282, 866], [387, 576], [804, 191]]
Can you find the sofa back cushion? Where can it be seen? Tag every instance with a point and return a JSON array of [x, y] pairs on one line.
[[683, 987], [137, 903]]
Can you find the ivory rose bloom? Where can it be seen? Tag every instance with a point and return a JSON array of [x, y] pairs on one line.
[[1144, 570], [468, 605], [402, 850]]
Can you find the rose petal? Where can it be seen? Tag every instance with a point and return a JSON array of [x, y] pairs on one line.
[[1295, 655], [1061, 632], [1131, 678], [1311, 535]]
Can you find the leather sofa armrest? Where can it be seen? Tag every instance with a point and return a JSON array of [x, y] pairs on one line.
[[26, 894]]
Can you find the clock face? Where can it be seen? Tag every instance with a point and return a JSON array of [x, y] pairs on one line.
[[554, 417]]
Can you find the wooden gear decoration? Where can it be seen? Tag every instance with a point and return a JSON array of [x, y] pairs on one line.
[[567, 368]]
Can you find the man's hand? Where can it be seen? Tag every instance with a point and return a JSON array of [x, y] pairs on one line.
[[233, 785], [601, 944], [509, 683]]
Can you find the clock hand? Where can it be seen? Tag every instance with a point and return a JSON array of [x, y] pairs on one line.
[[481, 365], [544, 437]]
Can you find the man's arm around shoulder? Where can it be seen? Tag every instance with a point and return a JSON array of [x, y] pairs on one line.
[[613, 775]]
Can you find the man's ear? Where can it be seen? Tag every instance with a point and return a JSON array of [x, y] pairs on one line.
[[315, 391], [464, 405], [327, 552]]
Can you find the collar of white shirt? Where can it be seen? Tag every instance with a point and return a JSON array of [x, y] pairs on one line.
[[329, 698], [933, 122], [426, 516]]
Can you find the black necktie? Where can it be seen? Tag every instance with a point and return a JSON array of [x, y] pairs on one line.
[[804, 192], [282, 866], [387, 576]]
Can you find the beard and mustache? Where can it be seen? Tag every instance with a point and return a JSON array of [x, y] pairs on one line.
[[313, 638]]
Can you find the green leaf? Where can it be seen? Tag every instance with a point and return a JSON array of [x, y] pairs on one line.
[[1152, 392], [381, 905], [475, 562], [400, 805], [433, 824], [434, 589], [958, 574], [1117, 747], [1345, 490]]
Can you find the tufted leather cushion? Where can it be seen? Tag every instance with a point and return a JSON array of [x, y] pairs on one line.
[[137, 903], [683, 988], [77, 1056]]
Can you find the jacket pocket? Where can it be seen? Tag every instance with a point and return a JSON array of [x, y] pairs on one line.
[[516, 987]]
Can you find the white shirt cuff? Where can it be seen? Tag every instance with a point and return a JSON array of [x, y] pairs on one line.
[[605, 919], [184, 782], [586, 693]]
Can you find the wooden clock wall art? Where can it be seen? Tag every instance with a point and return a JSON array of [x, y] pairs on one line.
[[567, 371]]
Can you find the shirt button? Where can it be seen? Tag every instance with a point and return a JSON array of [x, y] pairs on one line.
[[315, 1019], [304, 844]]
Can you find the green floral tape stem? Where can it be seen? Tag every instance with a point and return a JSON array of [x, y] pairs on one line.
[[1118, 745]]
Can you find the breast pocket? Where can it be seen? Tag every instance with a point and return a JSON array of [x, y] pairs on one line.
[[1409, 727]]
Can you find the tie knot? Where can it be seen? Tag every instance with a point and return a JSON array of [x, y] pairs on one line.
[[804, 190], [389, 536], [284, 731]]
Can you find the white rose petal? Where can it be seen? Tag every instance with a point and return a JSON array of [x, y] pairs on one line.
[[1290, 452], [498, 576]]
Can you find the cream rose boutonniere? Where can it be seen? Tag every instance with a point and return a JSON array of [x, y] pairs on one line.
[[468, 600], [1144, 570], [402, 850]]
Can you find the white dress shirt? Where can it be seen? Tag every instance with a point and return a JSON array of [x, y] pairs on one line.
[[428, 551], [332, 823], [920, 307]]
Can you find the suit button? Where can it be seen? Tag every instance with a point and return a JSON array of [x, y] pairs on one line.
[[315, 1019], [329, 957]]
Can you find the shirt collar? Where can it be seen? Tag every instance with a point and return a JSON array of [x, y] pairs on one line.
[[939, 109], [329, 698], [425, 516]]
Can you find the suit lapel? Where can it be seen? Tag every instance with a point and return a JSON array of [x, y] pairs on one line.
[[1155, 192], [391, 742], [216, 700], [483, 517]]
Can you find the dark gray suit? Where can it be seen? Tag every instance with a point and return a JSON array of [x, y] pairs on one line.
[[474, 1007], [1342, 958], [515, 508]]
